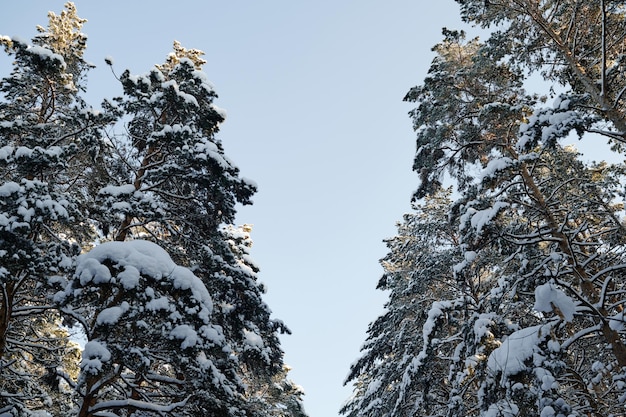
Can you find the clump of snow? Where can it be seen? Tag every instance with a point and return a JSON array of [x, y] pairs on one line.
[[46, 54], [91, 270], [470, 255], [161, 303], [118, 190], [9, 188], [482, 326], [18, 39], [173, 85], [250, 182], [185, 333], [549, 124], [468, 258], [139, 79], [112, 315], [496, 165], [561, 102], [521, 346], [6, 151], [147, 258], [129, 277], [204, 80], [222, 112], [90, 112], [548, 297], [481, 218], [211, 334], [173, 129], [478, 219], [253, 339], [94, 355], [207, 150]]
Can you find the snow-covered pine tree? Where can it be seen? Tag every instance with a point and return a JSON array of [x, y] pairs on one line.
[[192, 352], [404, 367], [540, 327], [542, 225], [189, 174], [172, 184], [48, 140]]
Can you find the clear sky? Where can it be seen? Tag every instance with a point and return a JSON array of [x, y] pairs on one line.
[[313, 91]]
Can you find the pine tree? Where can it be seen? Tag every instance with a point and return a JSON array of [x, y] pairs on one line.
[[533, 323], [403, 370], [540, 223], [171, 183], [48, 136]]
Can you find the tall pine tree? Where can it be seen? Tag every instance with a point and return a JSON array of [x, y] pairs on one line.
[[48, 140], [538, 284]]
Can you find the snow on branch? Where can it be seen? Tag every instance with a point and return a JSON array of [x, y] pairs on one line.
[[519, 351], [548, 297]]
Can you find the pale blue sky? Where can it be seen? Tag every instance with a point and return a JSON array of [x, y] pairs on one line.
[[313, 92]]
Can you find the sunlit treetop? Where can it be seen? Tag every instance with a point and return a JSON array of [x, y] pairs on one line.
[[63, 34], [180, 52]]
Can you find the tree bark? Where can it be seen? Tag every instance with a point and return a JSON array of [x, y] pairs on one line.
[[128, 220], [6, 310], [587, 288]]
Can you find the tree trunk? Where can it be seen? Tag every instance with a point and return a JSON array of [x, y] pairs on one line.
[[588, 290], [6, 310], [599, 95], [128, 220]]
